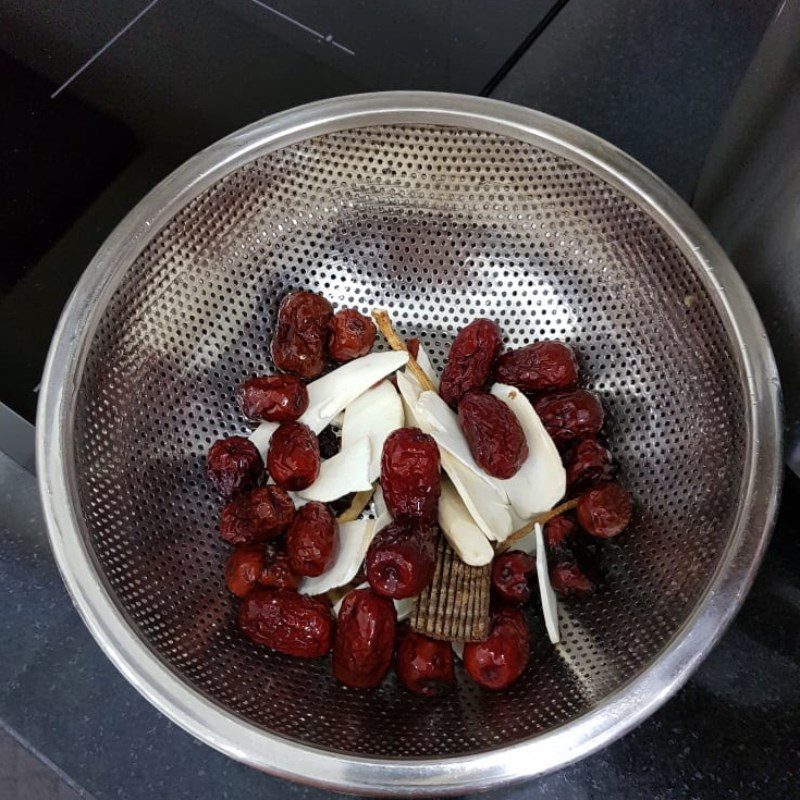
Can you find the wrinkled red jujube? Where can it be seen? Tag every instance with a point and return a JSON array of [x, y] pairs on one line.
[[502, 657], [538, 366], [293, 458], [568, 415], [568, 579], [401, 559], [514, 576], [277, 572], [243, 568], [364, 643], [558, 530], [410, 476], [234, 465], [287, 622], [587, 462], [605, 510], [312, 540], [350, 335], [256, 516], [493, 433], [275, 398], [298, 345], [425, 665], [470, 360]]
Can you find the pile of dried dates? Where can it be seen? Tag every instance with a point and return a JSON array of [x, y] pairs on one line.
[[310, 584]]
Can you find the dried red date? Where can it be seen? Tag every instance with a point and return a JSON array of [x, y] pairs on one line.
[[492, 430], [401, 559], [275, 398], [277, 573], [410, 476], [424, 665], [234, 465], [587, 462], [350, 335], [256, 516], [412, 345], [293, 458], [568, 579], [364, 644], [312, 540], [501, 658], [538, 366], [559, 530], [605, 511], [568, 415], [243, 568], [470, 360], [514, 576], [287, 622], [299, 342]]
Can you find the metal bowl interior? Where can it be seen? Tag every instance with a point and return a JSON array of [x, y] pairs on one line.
[[440, 209]]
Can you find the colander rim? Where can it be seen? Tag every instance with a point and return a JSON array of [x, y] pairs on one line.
[[230, 734]]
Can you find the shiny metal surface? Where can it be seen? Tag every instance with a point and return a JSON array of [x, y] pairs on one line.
[[440, 207]]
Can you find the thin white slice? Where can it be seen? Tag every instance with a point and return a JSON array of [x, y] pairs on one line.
[[458, 649], [332, 393], [486, 504], [410, 391], [380, 502], [374, 415], [426, 366], [461, 530], [261, 435], [404, 607], [329, 395], [542, 480], [548, 596], [347, 471], [445, 429], [354, 541]]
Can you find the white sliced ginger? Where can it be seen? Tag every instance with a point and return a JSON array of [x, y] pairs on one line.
[[410, 391], [374, 415], [461, 530], [426, 366], [486, 503], [541, 480], [546, 593], [354, 541], [380, 503], [347, 471], [404, 608], [261, 435], [332, 393]]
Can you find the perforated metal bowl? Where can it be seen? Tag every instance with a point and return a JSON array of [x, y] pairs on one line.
[[440, 208]]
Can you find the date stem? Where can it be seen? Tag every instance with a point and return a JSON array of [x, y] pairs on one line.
[[539, 519], [384, 324]]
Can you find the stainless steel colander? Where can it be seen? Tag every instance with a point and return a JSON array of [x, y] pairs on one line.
[[440, 208]]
